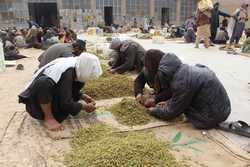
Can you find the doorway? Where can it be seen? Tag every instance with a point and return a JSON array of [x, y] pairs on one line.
[[108, 15], [164, 16], [45, 14]]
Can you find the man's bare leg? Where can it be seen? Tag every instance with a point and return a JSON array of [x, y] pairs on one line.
[[206, 42], [49, 119], [197, 42]]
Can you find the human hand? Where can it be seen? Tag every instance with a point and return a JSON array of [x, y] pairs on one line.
[[88, 107], [139, 98], [111, 71], [88, 99], [149, 103]]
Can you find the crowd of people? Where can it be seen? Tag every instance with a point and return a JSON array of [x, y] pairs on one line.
[[54, 92], [206, 25], [33, 37]]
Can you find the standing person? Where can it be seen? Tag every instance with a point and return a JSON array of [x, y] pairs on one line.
[[129, 56], [135, 24], [194, 91], [151, 23], [203, 16], [237, 24], [54, 92], [145, 25], [215, 20], [61, 50], [124, 21]]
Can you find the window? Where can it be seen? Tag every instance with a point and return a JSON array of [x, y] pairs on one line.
[[188, 8]]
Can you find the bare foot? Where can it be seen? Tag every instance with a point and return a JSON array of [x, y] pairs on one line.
[[53, 125]]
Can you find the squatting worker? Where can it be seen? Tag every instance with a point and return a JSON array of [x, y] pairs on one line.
[[126, 56], [191, 90], [54, 92], [62, 50]]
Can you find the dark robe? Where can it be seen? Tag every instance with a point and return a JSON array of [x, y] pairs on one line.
[[63, 96], [131, 56], [11, 52], [196, 92], [215, 21], [54, 52], [142, 79]]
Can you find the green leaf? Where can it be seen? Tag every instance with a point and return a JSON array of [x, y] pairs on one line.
[[177, 138]]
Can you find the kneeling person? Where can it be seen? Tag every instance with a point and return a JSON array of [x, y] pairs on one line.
[[128, 56], [194, 91]]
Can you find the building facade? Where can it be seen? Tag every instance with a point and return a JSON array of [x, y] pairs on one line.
[[79, 13]]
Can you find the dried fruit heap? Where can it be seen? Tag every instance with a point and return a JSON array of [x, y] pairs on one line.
[[130, 113], [109, 86], [97, 146]]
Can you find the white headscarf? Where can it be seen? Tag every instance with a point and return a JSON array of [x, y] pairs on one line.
[[87, 67]]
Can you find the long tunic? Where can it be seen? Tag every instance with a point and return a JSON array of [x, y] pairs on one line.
[[215, 21], [63, 96], [237, 24], [197, 93], [131, 57], [54, 52]]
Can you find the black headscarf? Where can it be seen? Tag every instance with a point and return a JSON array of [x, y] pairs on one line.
[[152, 61]]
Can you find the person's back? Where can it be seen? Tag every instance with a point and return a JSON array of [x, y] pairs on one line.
[[210, 102], [54, 52], [130, 48], [20, 41], [197, 93], [130, 56], [140, 51]]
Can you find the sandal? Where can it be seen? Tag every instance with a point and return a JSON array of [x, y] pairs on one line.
[[240, 128]]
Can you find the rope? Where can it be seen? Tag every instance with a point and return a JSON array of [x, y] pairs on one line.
[[7, 127], [227, 149]]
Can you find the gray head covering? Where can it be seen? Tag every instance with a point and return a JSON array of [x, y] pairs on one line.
[[244, 5], [115, 44]]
